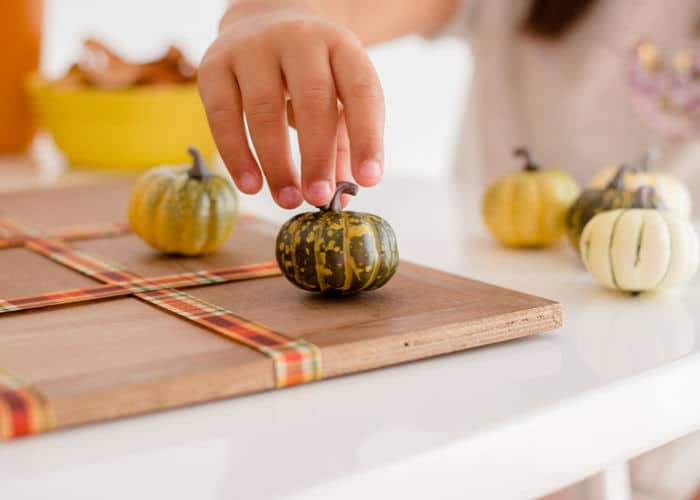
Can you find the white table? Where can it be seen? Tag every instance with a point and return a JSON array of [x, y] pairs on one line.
[[515, 420]]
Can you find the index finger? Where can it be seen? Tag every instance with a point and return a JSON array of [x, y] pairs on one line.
[[222, 101]]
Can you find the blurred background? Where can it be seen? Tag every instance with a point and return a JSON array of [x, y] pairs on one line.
[[420, 77]]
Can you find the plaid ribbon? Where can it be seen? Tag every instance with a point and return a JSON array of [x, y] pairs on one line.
[[10, 237], [88, 294], [23, 409], [295, 361]]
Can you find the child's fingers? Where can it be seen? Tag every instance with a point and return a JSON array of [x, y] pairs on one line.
[[312, 91], [222, 101], [264, 103], [291, 120], [359, 89], [343, 172]]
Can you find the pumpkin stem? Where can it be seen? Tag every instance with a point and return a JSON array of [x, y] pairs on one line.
[[341, 187], [648, 159], [524, 153], [645, 197], [618, 181], [199, 168], [640, 199]]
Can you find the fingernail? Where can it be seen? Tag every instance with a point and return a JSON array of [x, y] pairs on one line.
[[289, 197], [319, 191], [247, 181], [371, 170]]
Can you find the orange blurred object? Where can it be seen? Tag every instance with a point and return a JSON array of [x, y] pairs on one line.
[[20, 44]]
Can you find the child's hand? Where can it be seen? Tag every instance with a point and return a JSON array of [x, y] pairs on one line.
[[275, 50]]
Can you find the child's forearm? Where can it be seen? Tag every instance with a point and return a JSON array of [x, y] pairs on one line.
[[372, 21]]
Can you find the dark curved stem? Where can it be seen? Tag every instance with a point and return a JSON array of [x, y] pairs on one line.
[[524, 153], [199, 168], [341, 187], [640, 198], [618, 181], [645, 197]]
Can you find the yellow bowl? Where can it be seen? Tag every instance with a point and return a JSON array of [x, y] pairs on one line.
[[130, 129]]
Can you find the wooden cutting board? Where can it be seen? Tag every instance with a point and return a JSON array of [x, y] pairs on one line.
[[116, 357]]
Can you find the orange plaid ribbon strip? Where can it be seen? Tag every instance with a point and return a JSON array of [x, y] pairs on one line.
[[184, 280], [23, 409], [295, 361], [9, 237]]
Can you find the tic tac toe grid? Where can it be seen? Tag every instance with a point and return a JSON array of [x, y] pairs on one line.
[[24, 410], [84, 338]]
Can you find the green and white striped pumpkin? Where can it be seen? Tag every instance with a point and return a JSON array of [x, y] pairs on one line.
[[639, 249]]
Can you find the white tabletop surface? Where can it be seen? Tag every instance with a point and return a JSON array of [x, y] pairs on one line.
[[515, 420]]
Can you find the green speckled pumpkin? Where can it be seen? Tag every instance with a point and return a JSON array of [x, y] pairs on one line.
[[594, 201], [337, 252]]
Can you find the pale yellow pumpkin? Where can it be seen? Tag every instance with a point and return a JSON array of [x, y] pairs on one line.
[[639, 249], [668, 188], [183, 210], [528, 208]]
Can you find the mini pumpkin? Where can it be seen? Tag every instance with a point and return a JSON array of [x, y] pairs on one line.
[[527, 209], [337, 252], [640, 249], [593, 201], [668, 188], [184, 210]]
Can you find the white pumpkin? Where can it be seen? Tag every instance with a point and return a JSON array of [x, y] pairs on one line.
[[639, 249], [670, 189]]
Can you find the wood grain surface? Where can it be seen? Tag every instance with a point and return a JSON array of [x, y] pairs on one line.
[[118, 357]]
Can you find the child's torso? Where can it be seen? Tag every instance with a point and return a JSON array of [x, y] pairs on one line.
[[567, 99]]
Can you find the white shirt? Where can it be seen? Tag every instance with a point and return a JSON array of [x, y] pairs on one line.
[[568, 99]]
